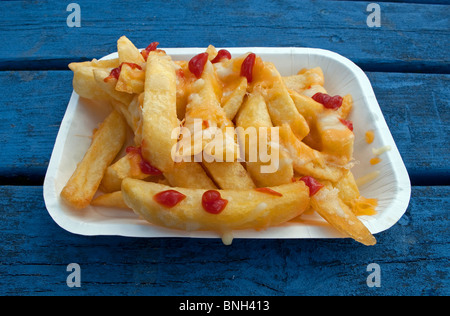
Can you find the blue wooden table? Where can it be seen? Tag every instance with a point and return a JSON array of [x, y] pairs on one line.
[[406, 58]]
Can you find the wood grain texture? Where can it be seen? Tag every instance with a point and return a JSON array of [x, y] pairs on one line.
[[406, 59], [28, 126], [416, 108], [412, 37], [412, 255]]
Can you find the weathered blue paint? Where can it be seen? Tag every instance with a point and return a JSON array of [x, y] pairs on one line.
[[412, 255], [412, 37], [416, 108], [407, 60]]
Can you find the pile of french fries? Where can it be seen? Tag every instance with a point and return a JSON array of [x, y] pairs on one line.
[[152, 96]]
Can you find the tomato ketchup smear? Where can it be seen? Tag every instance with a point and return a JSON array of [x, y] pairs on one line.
[[347, 123], [212, 202], [221, 54], [313, 185], [247, 67], [169, 198], [150, 48], [144, 165], [197, 64], [115, 73], [328, 101]]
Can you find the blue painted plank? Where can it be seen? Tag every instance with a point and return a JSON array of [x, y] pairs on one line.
[[412, 37], [31, 111], [416, 108], [408, 1], [413, 257]]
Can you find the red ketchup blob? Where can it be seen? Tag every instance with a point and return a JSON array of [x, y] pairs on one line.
[[150, 48], [115, 73], [347, 123], [144, 165], [169, 198], [247, 67], [313, 184], [197, 64], [221, 54], [328, 101], [268, 191], [212, 202]]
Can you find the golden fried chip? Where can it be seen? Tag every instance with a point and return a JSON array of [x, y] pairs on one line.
[[84, 83], [279, 103], [131, 79], [111, 200], [106, 144], [128, 53], [229, 175], [159, 111], [254, 115], [233, 98], [336, 138], [306, 160], [125, 167], [326, 202], [244, 208], [189, 175], [109, 86]]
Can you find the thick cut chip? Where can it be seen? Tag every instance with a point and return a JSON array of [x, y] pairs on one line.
[[335, 137], [204, 110], [134, 116], [189, 175], [131, 79], [350, 195], [233, 97], [110, 200], [132, 73], [212, 52], [308, 161], [125, 167], [183, 87], [106, 144], [282, 110], [279, 103], [244, 209], [123, 109], [346, 107], [253, 112], [128, 53], [84, 83], [159, 111], [109, 85], [229, 175], [252, 116], [348, 190], [305, 79], [204, 101], [310, 110], [307, 106], [326, 202]]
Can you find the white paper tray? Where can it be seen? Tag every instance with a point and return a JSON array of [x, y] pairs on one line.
[[392, 188]]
